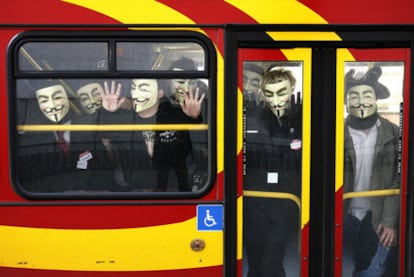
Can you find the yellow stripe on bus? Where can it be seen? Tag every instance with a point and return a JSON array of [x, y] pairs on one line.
[[371, 193], [132, 12], [113, 127], [272, 194], [165, 247]]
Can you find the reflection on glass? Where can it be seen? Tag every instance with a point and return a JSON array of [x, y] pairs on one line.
[[272, 167], [158, 56], [373, 96], [67, 159], [50, 56]]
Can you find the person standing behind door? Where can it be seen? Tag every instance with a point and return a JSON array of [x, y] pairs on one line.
[[273, 164], [371, 163]]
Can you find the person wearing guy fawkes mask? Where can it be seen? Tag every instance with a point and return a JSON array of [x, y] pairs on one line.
[[273, 164], [371, 163], [252, 79], [46, 157], [166, 149], [174, 148], [96, 152]]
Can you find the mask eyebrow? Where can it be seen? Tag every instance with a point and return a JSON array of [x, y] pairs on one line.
[[94, 90], [83, 94], [57, 93], [42, 97], [143, 85], [276, 92], [356, 93]]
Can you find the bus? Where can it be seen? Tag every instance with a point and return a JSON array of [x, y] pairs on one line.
[[206, 138]]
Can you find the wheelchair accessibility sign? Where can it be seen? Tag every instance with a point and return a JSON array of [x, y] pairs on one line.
[[209, 217]]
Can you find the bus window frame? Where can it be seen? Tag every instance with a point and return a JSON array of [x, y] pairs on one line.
[[111, 38]]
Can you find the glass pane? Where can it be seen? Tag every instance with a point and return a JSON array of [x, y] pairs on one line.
[[50, 56], [160, 56], [112, 136], [272, 167], [373, 102]]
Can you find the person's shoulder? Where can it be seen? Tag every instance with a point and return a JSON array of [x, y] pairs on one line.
[[388, 125], [386, 122]]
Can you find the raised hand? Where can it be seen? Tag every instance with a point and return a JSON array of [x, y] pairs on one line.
[[110, 97], [191, 105]]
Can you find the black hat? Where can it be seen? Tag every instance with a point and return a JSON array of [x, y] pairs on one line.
[[183, 63], [42, 83], [253, 68], [370, 78]]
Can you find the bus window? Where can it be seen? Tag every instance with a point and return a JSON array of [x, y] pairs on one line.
[[373, 101], [97, 136]]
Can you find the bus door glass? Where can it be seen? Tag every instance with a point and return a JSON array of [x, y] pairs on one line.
[[275, 86], [372, 92]]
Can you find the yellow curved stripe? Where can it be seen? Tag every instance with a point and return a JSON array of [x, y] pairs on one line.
[[277, 11], [275, 195], [113, 127], [371, 193], [133, 12], [136, 249]]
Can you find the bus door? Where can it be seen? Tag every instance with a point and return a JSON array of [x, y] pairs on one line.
[[274, 201], [320, 140], [371, 138]]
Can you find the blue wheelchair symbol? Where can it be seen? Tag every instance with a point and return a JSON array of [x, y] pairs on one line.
[[209, 217]]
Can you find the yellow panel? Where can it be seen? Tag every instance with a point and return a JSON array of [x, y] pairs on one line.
[[239, 227], [304, 36], [136, 249], [275, 11], [342, 56], [220, 113], [305, 55]]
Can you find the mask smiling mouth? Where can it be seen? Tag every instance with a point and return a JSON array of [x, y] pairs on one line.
[[140, 101], [181, 91], [54, 110], [93, 106], [279, 107]]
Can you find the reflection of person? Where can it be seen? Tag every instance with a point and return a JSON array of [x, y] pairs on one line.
[[177, 88], [252, 78], [371, 163], [89, 96], [273, 163], [167, 149]]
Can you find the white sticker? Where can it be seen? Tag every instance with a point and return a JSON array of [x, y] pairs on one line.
[[82, 164], [85, 156], [272, 177], [296, 144]]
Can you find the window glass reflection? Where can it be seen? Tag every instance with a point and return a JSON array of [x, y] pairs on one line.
[[272, 167], [373, 99], [99, 135], [159, 56], [50, 56]]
